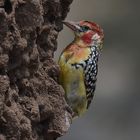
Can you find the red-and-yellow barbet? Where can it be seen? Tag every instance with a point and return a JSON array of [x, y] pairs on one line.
[[79, 64]]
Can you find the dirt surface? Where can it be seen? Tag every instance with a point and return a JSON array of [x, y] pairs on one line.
[[32, 103]]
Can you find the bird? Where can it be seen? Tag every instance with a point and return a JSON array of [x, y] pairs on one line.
[[78, 64]]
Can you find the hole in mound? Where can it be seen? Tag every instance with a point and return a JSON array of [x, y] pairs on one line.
[[8, 6]]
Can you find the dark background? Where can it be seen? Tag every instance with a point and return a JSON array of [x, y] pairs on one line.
[[115, 111]]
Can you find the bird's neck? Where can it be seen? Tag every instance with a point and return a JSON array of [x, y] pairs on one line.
[[81, 43], [78, 41]]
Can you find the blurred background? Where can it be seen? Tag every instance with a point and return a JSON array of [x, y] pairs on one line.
[[115, 111]]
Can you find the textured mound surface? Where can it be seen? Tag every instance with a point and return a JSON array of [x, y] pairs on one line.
[[32, 104]]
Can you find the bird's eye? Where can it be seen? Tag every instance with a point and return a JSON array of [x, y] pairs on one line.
[[85, 28]]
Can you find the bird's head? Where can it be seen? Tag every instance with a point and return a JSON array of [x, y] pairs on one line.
[[86, 33]]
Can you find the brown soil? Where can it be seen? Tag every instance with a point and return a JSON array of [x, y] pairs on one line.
[[32, 103]]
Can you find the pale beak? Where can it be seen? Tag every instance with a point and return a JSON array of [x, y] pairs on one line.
[[73, 26]]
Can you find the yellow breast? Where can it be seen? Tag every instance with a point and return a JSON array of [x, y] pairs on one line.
[[72, 79]]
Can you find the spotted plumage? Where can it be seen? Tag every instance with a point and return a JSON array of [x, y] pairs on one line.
[[79, 65], [91, 70]]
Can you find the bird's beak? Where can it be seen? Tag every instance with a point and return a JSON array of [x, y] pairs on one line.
[[72, 25]]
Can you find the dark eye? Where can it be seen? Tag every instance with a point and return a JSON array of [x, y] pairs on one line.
[[85, 28]]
